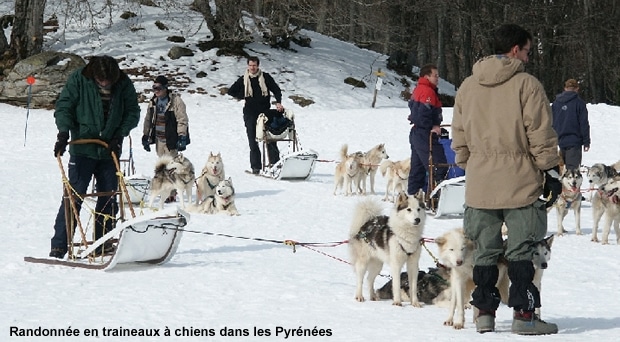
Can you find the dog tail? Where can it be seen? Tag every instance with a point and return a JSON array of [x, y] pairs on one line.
[[616, 167], [162, 162], [364, 211], [344, 150], [385, 165]]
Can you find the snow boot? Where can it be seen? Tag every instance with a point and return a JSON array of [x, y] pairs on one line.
[[528, 323], [485, 321]]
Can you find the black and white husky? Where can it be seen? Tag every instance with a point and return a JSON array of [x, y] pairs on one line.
[[222, 200], [172, 174], [376, 239]]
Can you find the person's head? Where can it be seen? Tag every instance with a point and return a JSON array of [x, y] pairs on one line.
[[104, 70], [253, 64], [513, 41], [160, 86], [430, 72], [571, 85]]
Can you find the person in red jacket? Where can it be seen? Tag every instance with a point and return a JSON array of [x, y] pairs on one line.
[[425, 118]]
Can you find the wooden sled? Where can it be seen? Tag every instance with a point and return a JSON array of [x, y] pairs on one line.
[[297, 164], [451, 191], [150, 238]]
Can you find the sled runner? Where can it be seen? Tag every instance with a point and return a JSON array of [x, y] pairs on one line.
[[297, 164], [150, 238], [448, 197]]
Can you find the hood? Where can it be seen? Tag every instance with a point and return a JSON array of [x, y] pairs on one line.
[[565, 96], [496, 69]]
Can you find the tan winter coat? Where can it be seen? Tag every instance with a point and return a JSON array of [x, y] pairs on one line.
[[502, 134]]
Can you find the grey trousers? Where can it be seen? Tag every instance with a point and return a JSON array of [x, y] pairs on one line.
[[526, 226]]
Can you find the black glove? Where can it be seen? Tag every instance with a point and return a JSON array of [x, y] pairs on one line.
[[181, 143], [62, 140], [552, 187], [116, 145], [145, 143]]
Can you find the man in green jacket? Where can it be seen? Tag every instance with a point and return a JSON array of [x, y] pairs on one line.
[[502, 137], [98, 102]]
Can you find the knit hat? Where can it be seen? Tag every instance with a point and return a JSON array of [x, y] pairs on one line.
[[571, 83], [162, 80]]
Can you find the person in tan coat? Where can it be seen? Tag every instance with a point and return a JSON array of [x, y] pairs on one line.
[[503, 138]]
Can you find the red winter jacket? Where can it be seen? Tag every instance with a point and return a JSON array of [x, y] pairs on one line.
[[425, 105]]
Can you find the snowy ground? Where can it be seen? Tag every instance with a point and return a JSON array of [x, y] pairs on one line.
[[244, 286]]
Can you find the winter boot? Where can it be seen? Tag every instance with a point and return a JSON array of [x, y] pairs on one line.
[[528, 323], [485, 321]]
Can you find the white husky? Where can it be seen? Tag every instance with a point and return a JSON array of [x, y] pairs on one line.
[[212, 174], [376, 239], [397, 174], [598, 175], [348, 171], [370, 166], [172, 174]]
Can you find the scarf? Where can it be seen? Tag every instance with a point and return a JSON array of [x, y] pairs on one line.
[[248, 85]]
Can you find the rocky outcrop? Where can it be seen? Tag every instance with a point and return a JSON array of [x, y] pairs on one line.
[[50, 69]]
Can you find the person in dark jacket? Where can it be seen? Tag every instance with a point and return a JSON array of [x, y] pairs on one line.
[[255, 87], [570, 122], [98, 102], [425, 118]]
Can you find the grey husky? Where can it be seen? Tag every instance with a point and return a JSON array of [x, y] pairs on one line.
[[570, 198]]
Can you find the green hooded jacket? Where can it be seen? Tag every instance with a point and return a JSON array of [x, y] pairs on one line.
[[79, 110]]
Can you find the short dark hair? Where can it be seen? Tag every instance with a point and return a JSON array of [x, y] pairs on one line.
[[254, 59], [509, 35], [102, 68], [427, 70]]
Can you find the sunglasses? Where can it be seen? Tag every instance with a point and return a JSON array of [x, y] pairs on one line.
[[158, 88]]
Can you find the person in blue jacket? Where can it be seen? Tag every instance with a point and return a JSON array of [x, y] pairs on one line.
[[570, 122]]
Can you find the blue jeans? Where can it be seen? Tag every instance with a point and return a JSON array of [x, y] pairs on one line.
[[81, 171]]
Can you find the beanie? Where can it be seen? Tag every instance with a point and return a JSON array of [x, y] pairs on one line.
[[162, 80]]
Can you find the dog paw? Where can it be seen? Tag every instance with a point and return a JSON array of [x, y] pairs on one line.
[[594, 239], [397, 303], [604, 242], [458, 326], [359, 298], [448, 322], [579, 232]]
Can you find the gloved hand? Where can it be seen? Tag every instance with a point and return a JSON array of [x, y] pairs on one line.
[[62, 140], [145, 143], [552, 187], [181, 143], [116, 145]]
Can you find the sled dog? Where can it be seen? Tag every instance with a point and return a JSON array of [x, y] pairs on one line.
[[432, 286], [222, 200], [370, 166], [348, 170], [212, 174], [456, 252], [570, 198], [397, 174], [599, 174], [172, 174], [610, 203], [376, 239]]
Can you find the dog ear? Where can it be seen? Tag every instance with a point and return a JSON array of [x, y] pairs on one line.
[[440, 241], [549, 240]]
